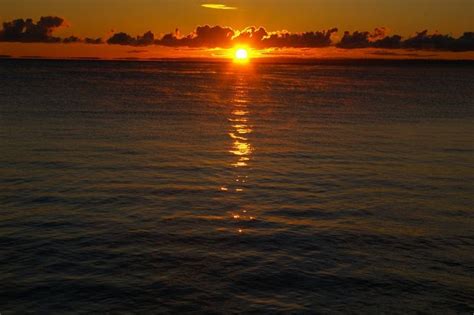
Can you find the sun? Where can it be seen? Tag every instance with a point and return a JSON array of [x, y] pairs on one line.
[[241, 55]]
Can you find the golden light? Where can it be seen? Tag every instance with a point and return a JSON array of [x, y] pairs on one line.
[[241, 55]]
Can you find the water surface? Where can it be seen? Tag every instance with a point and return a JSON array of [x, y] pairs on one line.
[[212, 187]]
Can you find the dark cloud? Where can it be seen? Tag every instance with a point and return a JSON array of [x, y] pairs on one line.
[[355, 40], [251, 36], [421, 41], [298, 40], [124, 39], [425, 41], [225, 37], [29, 32], [87, 40], [93, 41], [389, 42], [21, 30], [203, 36], [71, 39], [121, 39]]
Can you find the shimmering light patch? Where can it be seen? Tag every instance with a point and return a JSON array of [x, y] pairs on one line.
[[240, 102], [242, 129], [217, 6], [239, 112], [240, 164], [233, 136], [241, 148], [238, 119]]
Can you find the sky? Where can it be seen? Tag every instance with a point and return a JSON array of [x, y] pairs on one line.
[[103, 18]]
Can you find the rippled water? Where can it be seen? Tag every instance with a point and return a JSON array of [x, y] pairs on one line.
[[213, 187]]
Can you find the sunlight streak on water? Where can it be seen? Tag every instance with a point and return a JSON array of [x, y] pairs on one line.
[[241, 146]]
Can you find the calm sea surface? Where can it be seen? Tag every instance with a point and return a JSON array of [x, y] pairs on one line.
[[211, 187]]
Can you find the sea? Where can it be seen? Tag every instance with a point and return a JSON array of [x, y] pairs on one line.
[[209, 187]]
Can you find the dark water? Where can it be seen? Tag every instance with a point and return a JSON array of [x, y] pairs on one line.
[[212, 187]]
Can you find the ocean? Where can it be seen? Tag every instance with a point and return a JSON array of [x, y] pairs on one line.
[[212, 187]]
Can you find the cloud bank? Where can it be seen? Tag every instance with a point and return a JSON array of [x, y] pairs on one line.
[[20, 30], [421, 41]]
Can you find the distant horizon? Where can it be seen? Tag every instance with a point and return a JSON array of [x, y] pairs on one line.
[[257, 60]]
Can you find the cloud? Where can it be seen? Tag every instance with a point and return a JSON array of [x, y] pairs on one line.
[[124, 39], [217, 6], [29, 32], [354, 40], [204, 36], [21, 30], [71, 39], [251, 36], [93, 41], [378, 38], [259, 38], [26, 31], [225, 37], [425, 41], [420, 41], [298, 40], [389, 42]]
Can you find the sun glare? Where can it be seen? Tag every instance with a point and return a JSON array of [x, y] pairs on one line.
[[241, 55]]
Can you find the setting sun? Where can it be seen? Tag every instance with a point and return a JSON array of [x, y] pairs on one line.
[[241, 55]]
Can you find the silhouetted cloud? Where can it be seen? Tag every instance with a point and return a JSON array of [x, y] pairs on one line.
[[217, 6], [206, 36], [389, 42], [224, 37], [27, 31], [93, 41], [425, 41], [251, 36], [203, 36], [71, 39], [124, 39], [298, 40], [378, 38], [421, 41], [354, 40]]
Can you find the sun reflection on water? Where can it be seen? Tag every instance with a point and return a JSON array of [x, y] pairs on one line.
[[241, 149]]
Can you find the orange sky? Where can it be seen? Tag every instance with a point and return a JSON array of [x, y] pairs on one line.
[[98, 18]]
